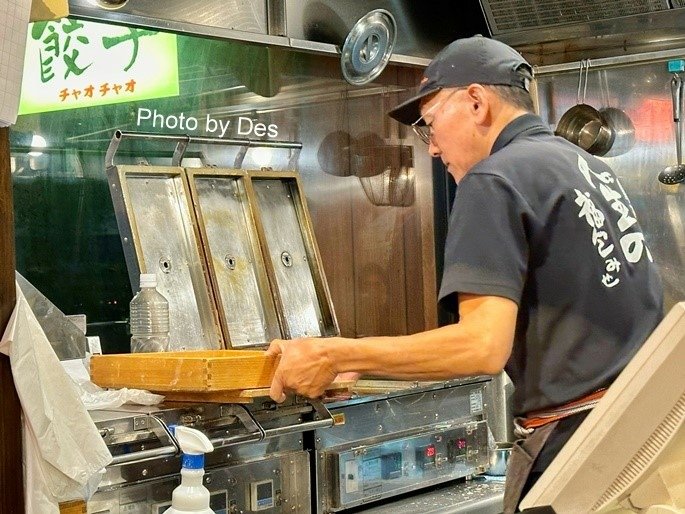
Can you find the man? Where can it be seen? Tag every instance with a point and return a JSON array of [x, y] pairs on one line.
[[545, 263]]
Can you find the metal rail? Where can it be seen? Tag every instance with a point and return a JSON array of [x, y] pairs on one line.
[[621, 60], [255, 433], [183, 140], [325, 420], [164, 451]]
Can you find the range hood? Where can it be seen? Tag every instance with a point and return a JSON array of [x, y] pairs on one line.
[[319, 26], [507, 17], [552, 31], [545, 31]]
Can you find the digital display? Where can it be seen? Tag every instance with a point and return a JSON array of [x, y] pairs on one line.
[[425, 456], [218, 502], [371, 469], [456, 449], [262, 495], [391, 465], [264, 492]]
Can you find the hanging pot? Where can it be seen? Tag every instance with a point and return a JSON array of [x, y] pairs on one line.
[[619, 122], [583, 125], [622, 127], [586, 127]]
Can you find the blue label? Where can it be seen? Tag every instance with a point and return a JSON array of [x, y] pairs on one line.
[[676, 65]]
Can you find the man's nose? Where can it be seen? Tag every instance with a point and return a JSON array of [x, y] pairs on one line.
[[433, 150]]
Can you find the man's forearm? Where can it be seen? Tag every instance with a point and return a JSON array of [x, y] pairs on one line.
[[439, 354]]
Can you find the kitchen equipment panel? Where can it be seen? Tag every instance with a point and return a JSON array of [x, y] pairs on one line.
[[234, 256], [368, 472], [289, 244], [258, 464], [385, 445], [159, 236], [271, 485]]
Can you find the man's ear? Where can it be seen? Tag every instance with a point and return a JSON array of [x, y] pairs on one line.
[[479, 102]]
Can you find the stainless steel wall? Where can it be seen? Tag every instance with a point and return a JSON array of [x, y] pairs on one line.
[[640, 87]]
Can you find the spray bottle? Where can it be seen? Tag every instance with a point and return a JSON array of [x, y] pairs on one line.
[[191, 496]]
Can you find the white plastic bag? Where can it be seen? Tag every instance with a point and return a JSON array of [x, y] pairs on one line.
[[63, 451]]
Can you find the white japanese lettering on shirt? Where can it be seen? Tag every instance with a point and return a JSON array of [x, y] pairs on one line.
[[632, 244]]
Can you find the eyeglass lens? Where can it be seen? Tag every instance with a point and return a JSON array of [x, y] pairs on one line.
[[423, 132]]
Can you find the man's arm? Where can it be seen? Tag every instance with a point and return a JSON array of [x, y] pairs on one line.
[[479, 344]]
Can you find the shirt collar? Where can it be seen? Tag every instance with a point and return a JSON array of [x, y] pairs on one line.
[[528, 124]]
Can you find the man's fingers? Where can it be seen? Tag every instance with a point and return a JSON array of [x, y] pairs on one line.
[[276, 391], [275, 348]]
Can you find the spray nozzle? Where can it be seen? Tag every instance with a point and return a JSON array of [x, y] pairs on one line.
[[194, 444]]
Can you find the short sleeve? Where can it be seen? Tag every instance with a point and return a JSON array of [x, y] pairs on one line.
[[486, 250]]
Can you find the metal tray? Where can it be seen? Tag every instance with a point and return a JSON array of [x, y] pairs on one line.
[[262, 256], [235, 262], [159, 235], [293, 260]]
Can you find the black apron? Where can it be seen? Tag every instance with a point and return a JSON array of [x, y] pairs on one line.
[[523, 455]]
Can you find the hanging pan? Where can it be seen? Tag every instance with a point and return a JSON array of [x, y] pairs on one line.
[[582, 124], [617, 119]]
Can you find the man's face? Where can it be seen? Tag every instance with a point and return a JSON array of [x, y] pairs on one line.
[[454, 135]]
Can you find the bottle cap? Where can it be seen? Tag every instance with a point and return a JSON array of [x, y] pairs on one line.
[[148, 280]]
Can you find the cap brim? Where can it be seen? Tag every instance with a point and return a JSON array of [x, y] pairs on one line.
[[410, 111]]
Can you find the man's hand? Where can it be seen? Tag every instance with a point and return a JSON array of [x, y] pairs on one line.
[[349, 376], [305, 368]]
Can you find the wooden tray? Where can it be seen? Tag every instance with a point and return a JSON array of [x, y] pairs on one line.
[[245, 395], [192, 371]]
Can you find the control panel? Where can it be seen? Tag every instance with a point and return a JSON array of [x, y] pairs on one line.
[[373, 471], [272, 485]]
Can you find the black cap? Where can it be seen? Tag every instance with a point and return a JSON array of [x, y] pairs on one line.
[[476, 59]]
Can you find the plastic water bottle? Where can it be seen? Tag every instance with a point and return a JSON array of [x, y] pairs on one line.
[[149, 317]]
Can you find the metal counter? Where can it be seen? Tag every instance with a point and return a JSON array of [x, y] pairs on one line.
[[478, 496]]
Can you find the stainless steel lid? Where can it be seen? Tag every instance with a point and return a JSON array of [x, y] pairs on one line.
[[368, 47]]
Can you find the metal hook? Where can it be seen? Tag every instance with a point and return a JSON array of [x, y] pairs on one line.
[[587, 73], [604, 87], [582, 84], [580, 80]]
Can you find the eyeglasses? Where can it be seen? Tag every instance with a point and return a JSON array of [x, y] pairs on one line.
[[425, 132]]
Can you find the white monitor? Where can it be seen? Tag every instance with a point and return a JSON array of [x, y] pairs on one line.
[[628, 455]]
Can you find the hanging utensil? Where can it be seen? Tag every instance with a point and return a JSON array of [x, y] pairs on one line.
[[676, 174], [582, 124], [618, 121]]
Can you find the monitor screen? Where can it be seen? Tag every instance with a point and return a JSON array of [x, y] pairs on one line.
[[629, 453]]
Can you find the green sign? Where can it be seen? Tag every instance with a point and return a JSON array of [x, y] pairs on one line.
[[73, 63]]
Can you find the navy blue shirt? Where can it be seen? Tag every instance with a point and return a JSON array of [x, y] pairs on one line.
[[549, 226]]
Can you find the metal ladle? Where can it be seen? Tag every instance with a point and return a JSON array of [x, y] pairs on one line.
[[676, 174]]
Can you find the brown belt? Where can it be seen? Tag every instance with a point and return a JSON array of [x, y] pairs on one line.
[[540, 418]]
